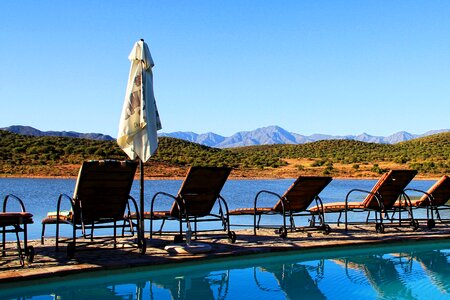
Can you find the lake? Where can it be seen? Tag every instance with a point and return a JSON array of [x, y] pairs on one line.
[[40, 194]]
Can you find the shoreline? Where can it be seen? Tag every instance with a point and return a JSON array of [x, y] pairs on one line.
[[231, 177]]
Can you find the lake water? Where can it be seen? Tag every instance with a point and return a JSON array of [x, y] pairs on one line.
[[40, 195], [414, 271]]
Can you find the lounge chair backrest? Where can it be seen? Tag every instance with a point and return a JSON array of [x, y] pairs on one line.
[[440, 192], [102, 190], [389, 187], [200, 190], [302, 192]]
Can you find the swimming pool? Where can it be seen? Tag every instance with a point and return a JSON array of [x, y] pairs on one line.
[[406, 271]]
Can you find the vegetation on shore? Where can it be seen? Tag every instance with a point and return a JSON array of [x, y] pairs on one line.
[[60, 156]]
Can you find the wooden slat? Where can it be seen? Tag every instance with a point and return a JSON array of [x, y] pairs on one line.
[[103, 189], [302, 192], [440, 192], [390, 186], [200, 189]]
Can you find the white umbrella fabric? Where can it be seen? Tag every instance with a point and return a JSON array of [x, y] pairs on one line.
[[139, 121]]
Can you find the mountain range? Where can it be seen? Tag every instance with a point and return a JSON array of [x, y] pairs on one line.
[[261, 136], [28, 130], [277, 135]]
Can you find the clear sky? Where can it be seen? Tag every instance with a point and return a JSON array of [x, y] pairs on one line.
[[332, 67]]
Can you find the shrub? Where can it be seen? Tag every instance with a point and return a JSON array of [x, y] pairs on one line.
[[376, 169]]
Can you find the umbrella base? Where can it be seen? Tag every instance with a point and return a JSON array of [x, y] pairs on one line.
[[193, 248]]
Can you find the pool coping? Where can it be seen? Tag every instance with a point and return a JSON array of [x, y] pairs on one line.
[[248, 245]]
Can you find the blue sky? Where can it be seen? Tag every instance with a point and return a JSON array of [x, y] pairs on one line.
[[334, 67]]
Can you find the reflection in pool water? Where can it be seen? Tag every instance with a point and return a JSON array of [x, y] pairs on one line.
[[400, 272]]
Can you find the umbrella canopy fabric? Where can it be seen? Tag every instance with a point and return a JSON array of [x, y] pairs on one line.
[[139, 121]]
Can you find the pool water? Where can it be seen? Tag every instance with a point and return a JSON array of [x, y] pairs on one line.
[[407, 271]]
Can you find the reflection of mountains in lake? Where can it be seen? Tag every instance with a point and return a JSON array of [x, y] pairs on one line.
[[414, 273]]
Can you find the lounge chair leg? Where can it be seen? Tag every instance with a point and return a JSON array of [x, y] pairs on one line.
[[195, 228], [151, 227], [282, 231], [368, 216], [43, 234], [292, 222], [115, 234], [431, 224], [321, 217], [232, 237], [25, 237], [346, 224], [130, 223], [19, 248], [72, 246], [57, 236], [438, 215], [379, 227], [3, 241]]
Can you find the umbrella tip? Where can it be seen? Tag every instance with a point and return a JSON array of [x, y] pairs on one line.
[[142, 40]]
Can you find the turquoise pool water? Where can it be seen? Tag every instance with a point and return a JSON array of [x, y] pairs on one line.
[[413, 271]]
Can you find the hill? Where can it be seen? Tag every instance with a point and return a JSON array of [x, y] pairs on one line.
[[61, 156], [28, 130]]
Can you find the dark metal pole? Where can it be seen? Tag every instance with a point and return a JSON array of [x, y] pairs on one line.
[[141, 202]]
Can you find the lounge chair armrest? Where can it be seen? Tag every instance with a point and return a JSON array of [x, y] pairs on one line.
[[134, 202], [172, 197], [267, 192], [5, 202], [319, 203], [429, 196], [379, 202], [222, 201], [60, 198]]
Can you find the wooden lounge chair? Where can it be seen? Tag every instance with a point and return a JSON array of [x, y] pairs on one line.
[[433, 200], [294, 202], [194, 202], [16, 222], [101, 200], [379, 200]]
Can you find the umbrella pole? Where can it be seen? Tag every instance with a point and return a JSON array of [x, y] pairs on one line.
[[141, 203]]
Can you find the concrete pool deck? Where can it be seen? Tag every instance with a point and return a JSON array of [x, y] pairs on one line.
[[50, 264]]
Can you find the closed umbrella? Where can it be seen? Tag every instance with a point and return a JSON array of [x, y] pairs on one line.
[[139, 121]]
